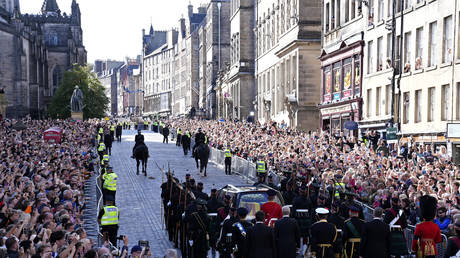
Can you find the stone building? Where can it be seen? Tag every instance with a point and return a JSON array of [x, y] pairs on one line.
[[236, 88], [158, 76], [341, 64], [106, 71], [427, 97], [35, 52], [287, 67], [128, 91]]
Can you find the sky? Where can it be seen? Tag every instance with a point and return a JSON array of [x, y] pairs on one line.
[[112, 29]]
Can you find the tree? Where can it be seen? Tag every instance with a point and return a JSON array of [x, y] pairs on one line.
[[95, 102]]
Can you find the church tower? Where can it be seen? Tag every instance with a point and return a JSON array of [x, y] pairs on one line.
[[50, 8]]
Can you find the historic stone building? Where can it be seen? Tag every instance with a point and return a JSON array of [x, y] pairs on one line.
[[35, 52], [128, 91], [288, 69], [236, 88], [341, 64], [106, 71]]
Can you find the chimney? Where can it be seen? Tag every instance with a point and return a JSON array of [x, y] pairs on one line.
[[190, 10]]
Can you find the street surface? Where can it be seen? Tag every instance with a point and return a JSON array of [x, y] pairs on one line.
[[138, 198]]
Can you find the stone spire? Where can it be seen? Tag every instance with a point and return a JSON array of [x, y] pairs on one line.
[[50, 6], [151, 29]]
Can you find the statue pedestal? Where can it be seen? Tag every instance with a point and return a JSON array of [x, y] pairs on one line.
[[77, 115]]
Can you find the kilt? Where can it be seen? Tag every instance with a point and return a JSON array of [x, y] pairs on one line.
[[398, 245]]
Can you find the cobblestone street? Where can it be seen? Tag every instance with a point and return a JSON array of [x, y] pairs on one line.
[[138, 197]]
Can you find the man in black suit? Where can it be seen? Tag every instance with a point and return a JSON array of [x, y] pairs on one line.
[[261, 241], [375, 237], [287, 235]]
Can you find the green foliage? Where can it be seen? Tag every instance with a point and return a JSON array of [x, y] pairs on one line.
[[95, 102]]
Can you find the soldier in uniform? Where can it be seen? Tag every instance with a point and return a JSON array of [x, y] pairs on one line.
[[223, 211], [213, 203], [301, 206], [239, 233], [270, 182], [427, 234], [323, 236], [338, 221], [271, 208], [198, 228], [224, 242], [186, 142], [396, 218], [352, 233]]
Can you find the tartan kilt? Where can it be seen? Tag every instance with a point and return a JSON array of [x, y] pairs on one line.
[[304, 226], [398, 245], [214, 231]]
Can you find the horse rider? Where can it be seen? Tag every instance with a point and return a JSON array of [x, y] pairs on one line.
[[200, 138], [138, 139]]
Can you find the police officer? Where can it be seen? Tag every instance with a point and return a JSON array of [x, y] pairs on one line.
[[323, 236], [239, 233], [165, 133], [108, 142], [224, 242], [105, 160], [200, 138], [186, 142], [108, 219], [261, 167], [101, 131], [146, 125], [112, 132], [228, 160], [352, 233], [109, 186], [101, 150], [119, 131], [155, 126], [198, 227], [139, 138], [179, 137]]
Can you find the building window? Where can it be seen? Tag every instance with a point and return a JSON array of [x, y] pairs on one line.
[[327, 16], [418, 106], [357, 75], [371, 13], [353, 9], [380, 11], [387, 101], [407, 52], [458, 100], [336, 80], [370, 57], [369, 103], [389, 8], [347, 11], [378, 101], [407, 4], [389, 60], [327, 84], [431, 102], [445, 102], [338, 13], [379, 54], [406, 103], [447, 40], [347, 77], [432, 44], [419, 49], [333, 15]]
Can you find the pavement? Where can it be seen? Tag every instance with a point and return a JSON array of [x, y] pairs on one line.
[[138, 197]]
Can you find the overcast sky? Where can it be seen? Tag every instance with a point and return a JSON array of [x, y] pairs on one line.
[[112, 29]]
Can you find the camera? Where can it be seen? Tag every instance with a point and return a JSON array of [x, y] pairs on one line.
[[120, 237], [144, 243]]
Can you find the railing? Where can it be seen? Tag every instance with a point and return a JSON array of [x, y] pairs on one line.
[[408, 232]]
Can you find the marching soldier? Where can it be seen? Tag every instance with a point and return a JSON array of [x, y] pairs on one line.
[[239, 234], [198, 225], [396, 218], [352, 233], [323, 236], [228, 160], [108, 219], [427, 234], [338, 221], [301, 206], [271, 208], [224, 242]]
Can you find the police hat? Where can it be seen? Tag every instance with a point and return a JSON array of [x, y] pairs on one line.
[[242, 211], [199, 129], [271, 192]]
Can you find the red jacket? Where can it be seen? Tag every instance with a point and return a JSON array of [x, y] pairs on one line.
[[429, 234], [272, 210]]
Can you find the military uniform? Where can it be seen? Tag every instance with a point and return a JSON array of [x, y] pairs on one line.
[[427, 234], [302, 206], [323, 236], [224, 245], [198, 228], [352, 236], [239, 234]]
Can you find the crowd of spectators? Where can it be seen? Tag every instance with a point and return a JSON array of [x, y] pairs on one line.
[[372, 169]]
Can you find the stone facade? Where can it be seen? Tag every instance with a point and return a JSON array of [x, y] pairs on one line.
[[128, 91], [106, 71], [236, 87], [36, 51], [288, 70]]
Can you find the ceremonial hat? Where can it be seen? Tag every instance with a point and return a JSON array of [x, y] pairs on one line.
[[428, 207], [271, 192], [322, 211], [136, 248], [242, 211]]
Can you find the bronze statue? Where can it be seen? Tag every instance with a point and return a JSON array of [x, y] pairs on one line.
[[76, 102]]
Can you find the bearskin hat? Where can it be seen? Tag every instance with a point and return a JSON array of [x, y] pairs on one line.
[[428, 207]]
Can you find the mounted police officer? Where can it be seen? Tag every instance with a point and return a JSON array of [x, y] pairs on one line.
[[139, 138], [200, 138], [108, 219], [352, 233]]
